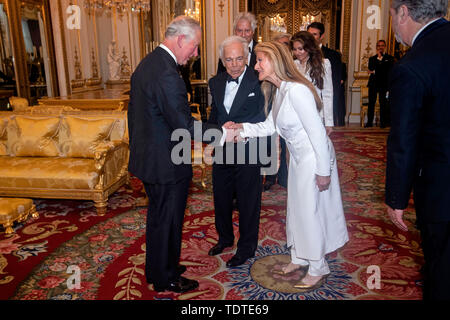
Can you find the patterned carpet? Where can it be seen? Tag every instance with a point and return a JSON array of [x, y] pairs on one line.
[[36, 262]]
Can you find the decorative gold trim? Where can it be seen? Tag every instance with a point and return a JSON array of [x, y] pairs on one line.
[[64, 48], [346, 34]]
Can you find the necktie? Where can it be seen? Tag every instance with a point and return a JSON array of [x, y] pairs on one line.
[[230, 79]]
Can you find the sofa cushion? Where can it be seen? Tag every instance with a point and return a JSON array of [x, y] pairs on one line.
[[52, 173], [36, 137], [83, 136], [3, 136]]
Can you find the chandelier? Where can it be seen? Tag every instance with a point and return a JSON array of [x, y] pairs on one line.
[[120, 5], [193, 13], [277, 24], [306, 21]]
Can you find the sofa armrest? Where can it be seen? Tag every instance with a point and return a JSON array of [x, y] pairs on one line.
[[111, 161]]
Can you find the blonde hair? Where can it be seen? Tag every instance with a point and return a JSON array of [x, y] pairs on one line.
[[285, 69]]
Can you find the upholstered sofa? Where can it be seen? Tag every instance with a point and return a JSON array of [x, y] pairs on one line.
[[61, 154]]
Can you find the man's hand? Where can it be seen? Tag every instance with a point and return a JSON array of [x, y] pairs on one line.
[[229, 125], [323, 182], [396, 216]]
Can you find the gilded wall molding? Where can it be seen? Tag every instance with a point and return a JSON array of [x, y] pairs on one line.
[[347, 9]]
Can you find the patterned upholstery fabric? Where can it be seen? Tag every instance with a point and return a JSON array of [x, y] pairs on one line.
[[12, 208], [36, 137], [53, 173], [3, 137], [84, 135]]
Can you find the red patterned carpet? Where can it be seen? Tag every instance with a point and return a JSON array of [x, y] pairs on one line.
[[110, 251]]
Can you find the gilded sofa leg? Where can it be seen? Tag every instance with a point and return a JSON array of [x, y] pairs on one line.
[[202, 179], [142, 201], [8, 228], [101, 207]]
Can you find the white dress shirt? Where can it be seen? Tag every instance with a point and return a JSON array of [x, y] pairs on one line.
[[230, 92], [170, 52], [250, 49]]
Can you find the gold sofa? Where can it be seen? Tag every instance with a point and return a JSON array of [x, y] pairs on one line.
[[61, 154]]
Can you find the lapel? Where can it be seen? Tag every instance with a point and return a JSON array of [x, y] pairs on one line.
[[221, 84], [243, 91]]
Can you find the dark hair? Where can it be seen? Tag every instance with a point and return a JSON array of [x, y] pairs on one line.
[[423, 11], [317, 25], [315, 62], [381, 41]]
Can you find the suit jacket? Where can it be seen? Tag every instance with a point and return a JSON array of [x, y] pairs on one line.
[[248, 105], [158, 106], [380, 78], [418, 154]]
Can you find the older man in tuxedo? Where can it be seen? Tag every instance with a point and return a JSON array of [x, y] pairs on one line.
[[237, 97], [158, 106], [418, 152]]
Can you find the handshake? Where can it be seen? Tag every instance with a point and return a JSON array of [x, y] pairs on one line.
[[233, 131]]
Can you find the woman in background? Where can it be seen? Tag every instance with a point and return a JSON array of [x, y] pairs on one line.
[[312, 64]]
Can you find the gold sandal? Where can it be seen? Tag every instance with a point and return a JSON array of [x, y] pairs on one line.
[[308, 287]]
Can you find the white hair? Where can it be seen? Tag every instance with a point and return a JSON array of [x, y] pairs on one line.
[[182, 25], [230, 40], [250, 17]]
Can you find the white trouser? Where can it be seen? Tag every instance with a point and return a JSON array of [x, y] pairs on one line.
[[316, 267]]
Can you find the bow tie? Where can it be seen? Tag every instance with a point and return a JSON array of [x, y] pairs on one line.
[[230, 79]]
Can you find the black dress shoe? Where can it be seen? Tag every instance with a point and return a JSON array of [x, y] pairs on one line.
[[217, 249], [368, 125], [236, 261], [268, 185], [181, 285], [181, 269]]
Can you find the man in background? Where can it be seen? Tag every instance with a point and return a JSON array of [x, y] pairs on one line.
[[379, 67]]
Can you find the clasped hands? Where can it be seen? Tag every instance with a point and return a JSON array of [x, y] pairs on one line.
[[233, 131]]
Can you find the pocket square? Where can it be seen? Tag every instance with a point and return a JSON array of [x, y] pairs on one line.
[[251, 94]]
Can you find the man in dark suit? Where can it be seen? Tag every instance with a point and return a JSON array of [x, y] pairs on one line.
[[317, 29], [379, 67], [244, 26], [418, 151], [158, 106], [237, 97]]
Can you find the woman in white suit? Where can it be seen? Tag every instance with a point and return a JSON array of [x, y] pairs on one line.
[[315, 224], [312, 64]]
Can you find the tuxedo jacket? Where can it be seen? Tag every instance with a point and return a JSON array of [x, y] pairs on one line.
[[418, 151], [382, 68], [158, 106], [248, 104]]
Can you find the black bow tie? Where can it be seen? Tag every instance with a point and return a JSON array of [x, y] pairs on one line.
[[230, 79]]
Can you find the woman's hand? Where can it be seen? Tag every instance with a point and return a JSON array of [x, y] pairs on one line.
[[323, 182]]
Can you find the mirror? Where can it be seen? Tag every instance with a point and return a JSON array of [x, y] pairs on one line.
[[7, 82], [36, 52]]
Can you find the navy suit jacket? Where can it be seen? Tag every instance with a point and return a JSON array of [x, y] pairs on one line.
[[158, 106], [248, 105], [418, 151]]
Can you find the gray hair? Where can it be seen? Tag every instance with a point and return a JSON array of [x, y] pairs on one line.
[[423, 11], [182, 25], [250, 17], [230, 40], [281, 36]]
